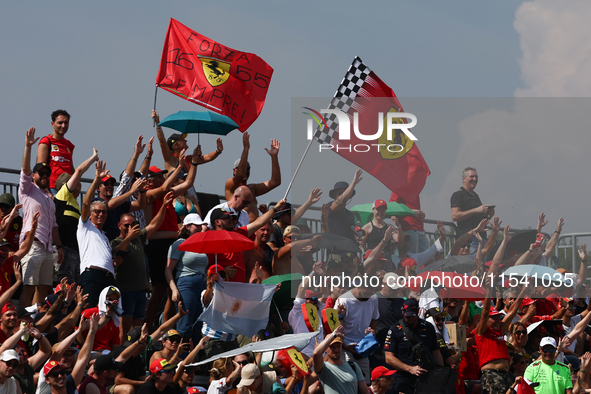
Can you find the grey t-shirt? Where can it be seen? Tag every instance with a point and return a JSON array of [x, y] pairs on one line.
[[340, 379]]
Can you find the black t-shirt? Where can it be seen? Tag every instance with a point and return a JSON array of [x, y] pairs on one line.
[[466, 201], [150, 388], [114, 215], [397, 342], [277, 236], [133, 368], [341, 223]]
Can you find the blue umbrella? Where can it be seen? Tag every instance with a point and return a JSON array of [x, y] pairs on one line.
[[544, 274], [188, 122]]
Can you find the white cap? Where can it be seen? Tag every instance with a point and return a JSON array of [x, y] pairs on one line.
[[193, 218], [391, 280], [548, 341], [8, 355]]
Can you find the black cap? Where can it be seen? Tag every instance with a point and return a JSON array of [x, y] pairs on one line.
[[105, 363], [51, 299], [133, 335], [338, 186], [220, 213], [39, 166], [22, 312], [174, 138], [285, 210], [7, 199], [410, 308], [4, 242]]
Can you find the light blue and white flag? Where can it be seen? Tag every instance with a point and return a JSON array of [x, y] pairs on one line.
[[239, 308]]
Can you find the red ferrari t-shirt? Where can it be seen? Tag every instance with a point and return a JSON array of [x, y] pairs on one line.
[[107, 337], [60, 157], [235, 260], [170, 218], [491, 346]]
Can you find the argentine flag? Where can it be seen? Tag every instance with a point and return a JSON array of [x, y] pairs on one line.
[[239, 308]]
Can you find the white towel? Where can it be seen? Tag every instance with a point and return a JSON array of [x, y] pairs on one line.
[[102, 306]]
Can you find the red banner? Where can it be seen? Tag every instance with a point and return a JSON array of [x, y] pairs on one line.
[[403, 169], [212, 75]]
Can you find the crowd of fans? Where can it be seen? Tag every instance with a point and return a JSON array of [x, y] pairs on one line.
[[124, 314]]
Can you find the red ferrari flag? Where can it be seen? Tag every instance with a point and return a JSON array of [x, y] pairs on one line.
[[393, 157], [217, 77]]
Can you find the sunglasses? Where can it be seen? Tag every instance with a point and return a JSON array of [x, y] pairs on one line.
[[100, 211], [44, 173], [520, 332], [522, 362], [465, 246], [168, 371], [55, 374], [128, 225], [175, 340], [439, 319], [548, 350], [243, 363], [11, 365]]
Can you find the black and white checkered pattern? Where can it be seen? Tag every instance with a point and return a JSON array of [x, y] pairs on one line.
[[343, 98]]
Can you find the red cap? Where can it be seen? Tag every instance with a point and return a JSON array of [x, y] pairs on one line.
[[378, 372], [87, 313], [214, 268], [410, 263], [58, 288], [311, 294], [494, 312], [52, 365], [380, 257], [160, 364], [527, 301], [8, 307], [379, 203], [106, 178]]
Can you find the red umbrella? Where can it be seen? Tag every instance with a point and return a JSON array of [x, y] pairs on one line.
[[220, 241], [453, 285]]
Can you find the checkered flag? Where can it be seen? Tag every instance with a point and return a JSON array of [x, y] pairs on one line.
[[343, 98]]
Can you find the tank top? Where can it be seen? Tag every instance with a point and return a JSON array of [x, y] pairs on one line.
[[181, 209], [376, 235]]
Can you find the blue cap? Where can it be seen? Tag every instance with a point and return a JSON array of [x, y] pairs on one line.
[[410, 308]]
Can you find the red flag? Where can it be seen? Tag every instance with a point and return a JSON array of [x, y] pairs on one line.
[[524, 388], [212, 75], [404, 172]]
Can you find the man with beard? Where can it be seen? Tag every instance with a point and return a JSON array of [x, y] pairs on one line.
[[337, 375], [34, 194], [399, 350]]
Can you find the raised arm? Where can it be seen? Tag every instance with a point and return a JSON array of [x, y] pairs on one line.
[[85, 351], [318, 355], [340, 202], [196, 159], [214, 155], [464, 238], [265, 187], [82, 168], [314, 197], [377, 251], [159, 218], [100, 173], [582, 276], [498, 258], [7, 295], [170, 323], [166, 153], [148, 159], [554, 238], [30, 140], [264, 218], [36, 360], [137, 151], [508, 319], [240, 174]]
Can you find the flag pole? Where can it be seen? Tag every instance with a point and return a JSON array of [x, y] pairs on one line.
[[297, 169], [155, 95]]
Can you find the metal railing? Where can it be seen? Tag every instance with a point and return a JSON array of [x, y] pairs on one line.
[[565, 253]]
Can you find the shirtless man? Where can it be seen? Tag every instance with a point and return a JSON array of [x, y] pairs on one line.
[[242, 173], [261, 255], [286, 259]]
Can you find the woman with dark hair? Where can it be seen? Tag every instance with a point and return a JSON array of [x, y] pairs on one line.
[[189, 280]]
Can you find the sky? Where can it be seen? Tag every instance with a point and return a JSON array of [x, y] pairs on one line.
[[498, 86]]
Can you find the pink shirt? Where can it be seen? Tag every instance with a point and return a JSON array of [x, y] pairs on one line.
[[35, 200]]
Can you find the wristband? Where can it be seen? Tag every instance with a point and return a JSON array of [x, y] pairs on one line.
[[341, 317], [584, 261], [142, 191], [194, 164], [557, 232], [219, 152], [148, 158], [91, 332], [79, 304]]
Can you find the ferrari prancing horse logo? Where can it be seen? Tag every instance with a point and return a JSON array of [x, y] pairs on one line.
[[217, 72]]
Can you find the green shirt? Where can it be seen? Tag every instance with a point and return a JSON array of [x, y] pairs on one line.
[[553, 379]]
